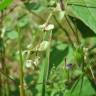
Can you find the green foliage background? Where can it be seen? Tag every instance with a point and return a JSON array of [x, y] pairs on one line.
[[47, 48]]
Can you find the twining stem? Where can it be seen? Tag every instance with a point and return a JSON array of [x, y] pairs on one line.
[[21, 73]]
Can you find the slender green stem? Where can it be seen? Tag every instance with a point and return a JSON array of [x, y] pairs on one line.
[[78, 4], [74, 31], [81, 86], [48, 55], [1, 81], [21, 73], [75, 85], [46, 69], [4, 68], [82, 77]]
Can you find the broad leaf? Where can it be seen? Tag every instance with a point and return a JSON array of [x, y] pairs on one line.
[[12, 34], [84, 30], [57, 54], [85, 10], [84, 91]]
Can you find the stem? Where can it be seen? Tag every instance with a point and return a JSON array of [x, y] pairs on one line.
[[8, 77], [74, 31], [82, 78], [4, 81], [48, 55], [90, 67], [46, 69], [35, 14], [81, 86], [21, 74], [78, 4], [62, 5], [74, 86], [67, 71], [1, 78]]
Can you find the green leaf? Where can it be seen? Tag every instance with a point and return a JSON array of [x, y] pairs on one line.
[[61, 46], [4, 4], [23, 22], [84, 30], [59, 15], [84, 10], [85, 89], [12, 35], [57, 54], [32, 5]]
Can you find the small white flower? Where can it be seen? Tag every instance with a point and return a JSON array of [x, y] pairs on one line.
[[47, 27], [28, 63], [36, 61]]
